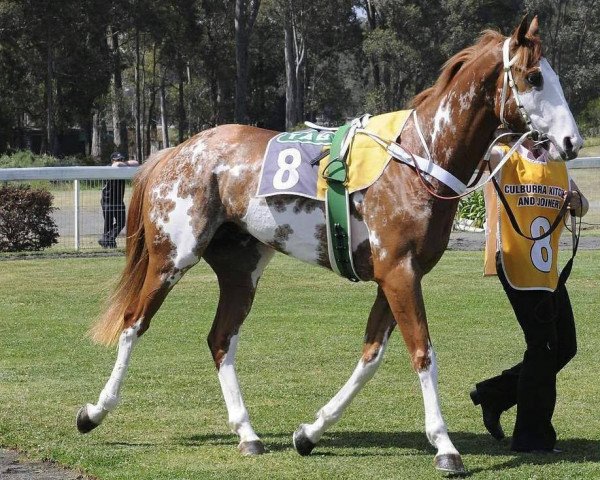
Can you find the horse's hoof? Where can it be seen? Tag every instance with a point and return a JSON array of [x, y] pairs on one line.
[[254, 447], [302, 443], [84, 423], [450, 464]]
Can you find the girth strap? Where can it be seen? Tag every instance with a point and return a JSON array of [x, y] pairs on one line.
[[337, 206]]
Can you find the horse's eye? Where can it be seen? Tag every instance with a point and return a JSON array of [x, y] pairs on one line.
[[535, 79]]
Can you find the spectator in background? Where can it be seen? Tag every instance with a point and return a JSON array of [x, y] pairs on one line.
[[113, 206]]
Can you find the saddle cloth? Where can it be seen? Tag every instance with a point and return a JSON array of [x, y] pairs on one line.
[[286, 165]]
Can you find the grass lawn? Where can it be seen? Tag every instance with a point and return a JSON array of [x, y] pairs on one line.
[[591, 147], [299, 345]]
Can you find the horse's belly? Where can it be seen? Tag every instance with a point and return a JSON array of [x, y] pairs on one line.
[[294, 226]]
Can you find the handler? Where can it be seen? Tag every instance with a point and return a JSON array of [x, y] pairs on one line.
[[535, 189]]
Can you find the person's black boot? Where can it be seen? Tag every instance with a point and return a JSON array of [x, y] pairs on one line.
[[491, 416]]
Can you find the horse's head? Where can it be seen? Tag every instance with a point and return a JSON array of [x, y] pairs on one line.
[[530, 94]]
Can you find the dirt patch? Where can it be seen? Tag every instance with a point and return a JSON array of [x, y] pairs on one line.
[[15, 467]]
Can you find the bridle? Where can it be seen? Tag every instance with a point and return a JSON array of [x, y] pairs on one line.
[[509, 82]]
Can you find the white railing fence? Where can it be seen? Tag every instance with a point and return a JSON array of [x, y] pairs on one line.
[[77, 193]]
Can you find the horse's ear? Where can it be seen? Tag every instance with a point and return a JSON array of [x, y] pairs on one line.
[[521, 31], [533, 28]]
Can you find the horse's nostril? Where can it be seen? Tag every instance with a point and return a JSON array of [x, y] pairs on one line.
[[568, 145]]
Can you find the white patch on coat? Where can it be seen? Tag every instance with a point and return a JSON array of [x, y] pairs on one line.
[[238, 169], [266, 256], [375, 242], [374, 239], [220, 169], [198, 149], [466, 98], [178, 227], [442, 116], [262, 221]]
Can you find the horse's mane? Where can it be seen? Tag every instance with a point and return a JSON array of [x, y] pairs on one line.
[[488, 39]]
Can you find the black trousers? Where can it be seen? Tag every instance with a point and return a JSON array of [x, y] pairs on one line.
[[549, 328], [114, 221]]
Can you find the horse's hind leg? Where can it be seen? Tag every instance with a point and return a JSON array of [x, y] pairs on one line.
[[238, 261], [379, 327], [160, 277]]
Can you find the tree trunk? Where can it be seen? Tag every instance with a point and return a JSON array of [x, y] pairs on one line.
[[118, 117], [299, 50], [150, 120], [163, 113], [50, 126], [181, 105], [291, 108], [138, 130], [96, 151], [245, 15], [372, 20]]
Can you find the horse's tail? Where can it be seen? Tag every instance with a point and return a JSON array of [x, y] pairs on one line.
[[111, 323]]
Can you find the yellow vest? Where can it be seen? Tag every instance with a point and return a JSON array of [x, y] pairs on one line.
[[534, 191]]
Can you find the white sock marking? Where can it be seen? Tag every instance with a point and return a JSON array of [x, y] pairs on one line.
[[239, 421], [435, 427], [332, 412], [109, 397]]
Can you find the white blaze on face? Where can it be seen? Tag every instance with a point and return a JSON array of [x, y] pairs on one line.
[[549, 111], [178, 227], [262, 222]]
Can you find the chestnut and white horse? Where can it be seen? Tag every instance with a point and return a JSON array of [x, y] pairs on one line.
[[197, 201]]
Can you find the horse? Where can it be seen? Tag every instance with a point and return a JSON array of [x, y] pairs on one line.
[[196, 201]]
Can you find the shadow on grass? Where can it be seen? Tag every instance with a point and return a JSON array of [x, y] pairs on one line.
[[574, 450]]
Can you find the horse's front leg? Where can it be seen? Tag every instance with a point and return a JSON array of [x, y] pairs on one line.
[[402, 287], [379, 327]]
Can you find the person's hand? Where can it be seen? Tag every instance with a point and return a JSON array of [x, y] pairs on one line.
[[577, 204]]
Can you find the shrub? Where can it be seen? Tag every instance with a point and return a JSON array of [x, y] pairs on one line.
[[472, 207], [25, 158], [25, 219]]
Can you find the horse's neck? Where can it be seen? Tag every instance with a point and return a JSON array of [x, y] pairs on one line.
[[458, 126]]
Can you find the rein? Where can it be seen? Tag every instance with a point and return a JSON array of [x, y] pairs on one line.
[[513, 221], [423, 166]]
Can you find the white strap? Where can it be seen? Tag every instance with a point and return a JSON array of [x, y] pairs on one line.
[[319, 127], [507, 80], [399, 153], [421, 137], [506, 156]]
